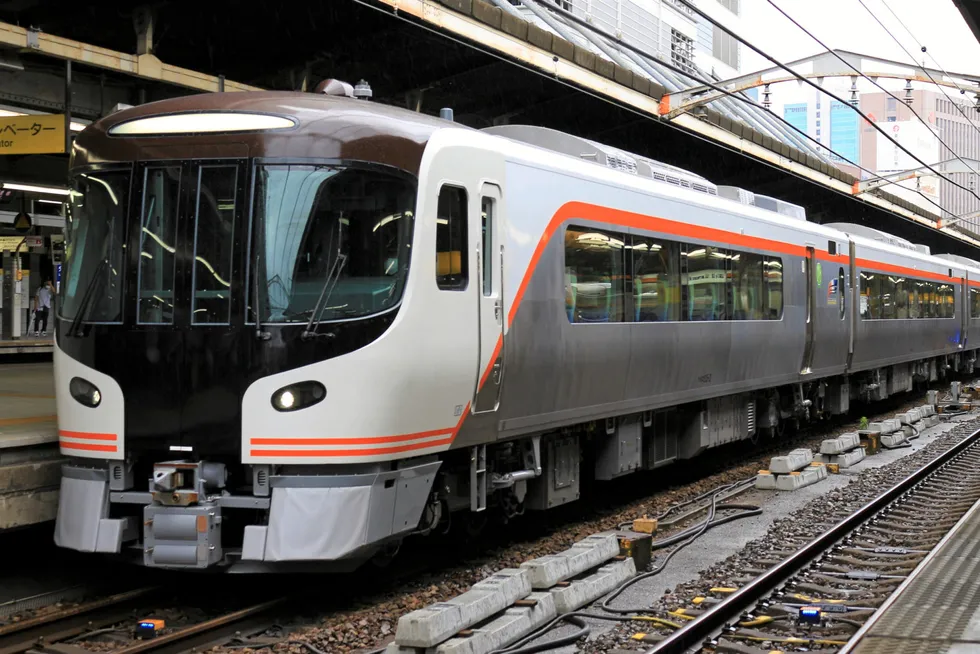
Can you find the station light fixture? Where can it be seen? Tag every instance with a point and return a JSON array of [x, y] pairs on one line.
[[34, 188]]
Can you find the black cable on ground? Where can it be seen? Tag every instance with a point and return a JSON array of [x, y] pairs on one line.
[[693, 500], [684, 539]]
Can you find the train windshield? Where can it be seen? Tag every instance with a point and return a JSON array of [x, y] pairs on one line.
[[94, 247], [334, 236]]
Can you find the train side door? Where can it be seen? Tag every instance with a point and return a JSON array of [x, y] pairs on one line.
[[490, 266], [965, 313], [854, 305], [808, 267]]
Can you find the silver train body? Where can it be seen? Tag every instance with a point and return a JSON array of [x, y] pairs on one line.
[[569, 311]]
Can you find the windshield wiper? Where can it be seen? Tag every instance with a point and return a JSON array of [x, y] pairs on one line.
[[259, 333], [82, 312], [329, 283]]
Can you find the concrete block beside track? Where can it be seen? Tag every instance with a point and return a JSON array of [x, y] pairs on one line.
[[582, 591], [795, 460], [846, 459], [874, 427], [843, 443], [546, 571], [889, 426], [793, 480], [433, 624], [505, 629]]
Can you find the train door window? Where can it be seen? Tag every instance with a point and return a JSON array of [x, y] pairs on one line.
[[488, 253], [705, 278], [214, 236], [841, 292], [748, 290], [656, 280], [975, 302], [772, 277], [452, 262], [161, 196], [594, 275]]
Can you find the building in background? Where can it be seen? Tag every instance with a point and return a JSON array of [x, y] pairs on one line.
[[944, 121], [669, 30]]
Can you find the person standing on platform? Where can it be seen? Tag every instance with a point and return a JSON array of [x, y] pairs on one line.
[[42, 305]]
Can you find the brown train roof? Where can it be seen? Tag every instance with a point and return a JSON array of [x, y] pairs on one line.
[[329, 127]]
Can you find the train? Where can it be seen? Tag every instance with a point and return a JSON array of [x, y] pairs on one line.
[[296, 328]]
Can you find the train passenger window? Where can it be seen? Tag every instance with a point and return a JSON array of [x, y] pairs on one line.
[[213, 239], [947, 300], [975, 302], [887, 295], [772, 274], [594, 275], [901, 297], [704, 274], [487, 250], [656, 280], [748, 292], [158, 232], [452, 262]]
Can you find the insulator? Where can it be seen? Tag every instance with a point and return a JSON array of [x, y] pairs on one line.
[[908, 92]]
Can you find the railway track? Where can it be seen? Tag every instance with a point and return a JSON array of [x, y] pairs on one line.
[[816, 597], [79, 629]]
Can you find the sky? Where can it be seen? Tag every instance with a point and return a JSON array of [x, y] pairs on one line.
[[845, 24]]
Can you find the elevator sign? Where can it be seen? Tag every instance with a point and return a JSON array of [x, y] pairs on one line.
[[32, 134]]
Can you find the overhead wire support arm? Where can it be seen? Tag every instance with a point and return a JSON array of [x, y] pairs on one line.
[[825, 64], [863, 115], [722, 92], [816, 86]]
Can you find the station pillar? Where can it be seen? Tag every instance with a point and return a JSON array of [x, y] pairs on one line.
[[11, 310]]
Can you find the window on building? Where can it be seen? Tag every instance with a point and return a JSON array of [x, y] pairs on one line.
[[681, 50], [724, 47], [730, 5], [452, 269]]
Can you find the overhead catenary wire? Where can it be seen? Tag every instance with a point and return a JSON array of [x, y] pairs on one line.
[[924, 50], [715, 87], [368, 4], [858, 111]]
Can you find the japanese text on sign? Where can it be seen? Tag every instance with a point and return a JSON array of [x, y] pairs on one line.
[[32, 134]]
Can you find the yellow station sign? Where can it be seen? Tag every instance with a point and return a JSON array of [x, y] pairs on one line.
[[32, 134]]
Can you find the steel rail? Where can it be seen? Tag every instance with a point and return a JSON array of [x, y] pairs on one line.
[[209, 630], [715, 619], [21, 636]]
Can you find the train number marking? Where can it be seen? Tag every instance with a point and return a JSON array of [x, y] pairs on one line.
[[705, 379]]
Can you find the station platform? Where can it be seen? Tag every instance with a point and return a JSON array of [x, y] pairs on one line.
[[30, 463], [27, 344], [937, 609]]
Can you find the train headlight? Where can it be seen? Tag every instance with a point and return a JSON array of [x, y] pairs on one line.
[[84, 392], [298, 396]]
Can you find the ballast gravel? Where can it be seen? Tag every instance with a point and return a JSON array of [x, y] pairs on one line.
[[371, 623]]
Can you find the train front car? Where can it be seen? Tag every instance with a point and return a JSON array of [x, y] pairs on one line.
[[182, 414]]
